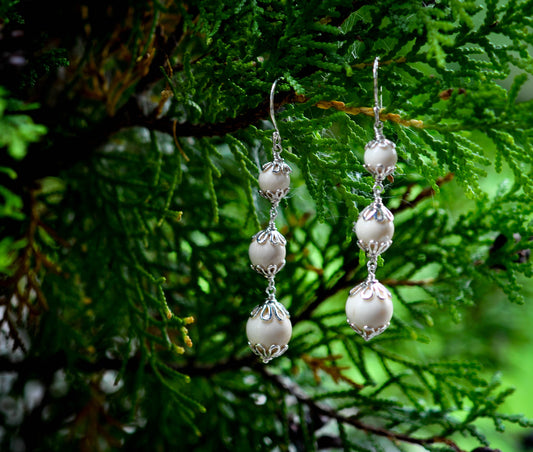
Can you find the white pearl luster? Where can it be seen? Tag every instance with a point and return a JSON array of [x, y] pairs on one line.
[[266, 254], [372, 313], [271, 181], [381, 153], [378, 231], [268, 332]]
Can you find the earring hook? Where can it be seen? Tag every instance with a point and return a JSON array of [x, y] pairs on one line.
[[378, 102], [276, 137], [272, 91]]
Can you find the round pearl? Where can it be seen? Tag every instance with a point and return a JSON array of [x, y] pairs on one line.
[[271, 181], [381, 153], [372, 313], [266, 254], [268, 332], [378, 231]]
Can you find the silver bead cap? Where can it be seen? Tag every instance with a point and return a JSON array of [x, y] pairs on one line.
[[270, 234], [374, 248], [372, 144], [366, 332], [269, 354], [370, 289], [274, 196], [271, 309], [378, 212], [268, 272], [277, 166], [379, 171]]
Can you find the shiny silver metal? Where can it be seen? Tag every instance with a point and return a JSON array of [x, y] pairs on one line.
[[378, 102], [269, 354]]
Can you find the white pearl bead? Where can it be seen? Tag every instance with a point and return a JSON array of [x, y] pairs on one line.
[[369, 314], [271, 181], [268, 332], [378, 231], [380, 153], [266, 254]]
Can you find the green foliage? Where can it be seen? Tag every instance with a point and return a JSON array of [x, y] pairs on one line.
[[7, 11], [17, 130], [127, 284], [45, 64]]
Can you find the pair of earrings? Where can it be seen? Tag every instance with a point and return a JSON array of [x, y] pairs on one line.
[[369, 305]]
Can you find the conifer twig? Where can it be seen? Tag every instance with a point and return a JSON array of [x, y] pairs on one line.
[[322, 410]]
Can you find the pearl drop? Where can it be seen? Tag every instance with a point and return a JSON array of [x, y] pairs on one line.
[[268, 332], [380, 153], [273, 181], [371, 316], [266, 254], [372, 229]]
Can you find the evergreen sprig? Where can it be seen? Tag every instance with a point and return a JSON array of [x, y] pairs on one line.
[[126, 283]]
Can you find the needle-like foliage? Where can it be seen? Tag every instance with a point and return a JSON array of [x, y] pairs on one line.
[[132, 134]]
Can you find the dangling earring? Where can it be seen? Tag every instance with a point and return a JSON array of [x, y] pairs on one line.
[[269, 327], [369, 306]]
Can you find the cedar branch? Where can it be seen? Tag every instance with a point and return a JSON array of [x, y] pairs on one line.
[[323, 410]]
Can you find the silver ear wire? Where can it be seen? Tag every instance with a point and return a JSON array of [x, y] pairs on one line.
[[378, 103], [276, 137], [272, 91]]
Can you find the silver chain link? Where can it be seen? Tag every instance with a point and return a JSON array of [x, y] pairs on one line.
[[378, 189], [372, 266], [276, 147], [271, 289], [273, 215]]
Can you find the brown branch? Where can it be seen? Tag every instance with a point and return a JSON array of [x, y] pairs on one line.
[[197, 370], [52, 363], [393, 117], [425, 193], [66, 152], [328, 365], [320, 409], [242, 121], [408, 282]]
